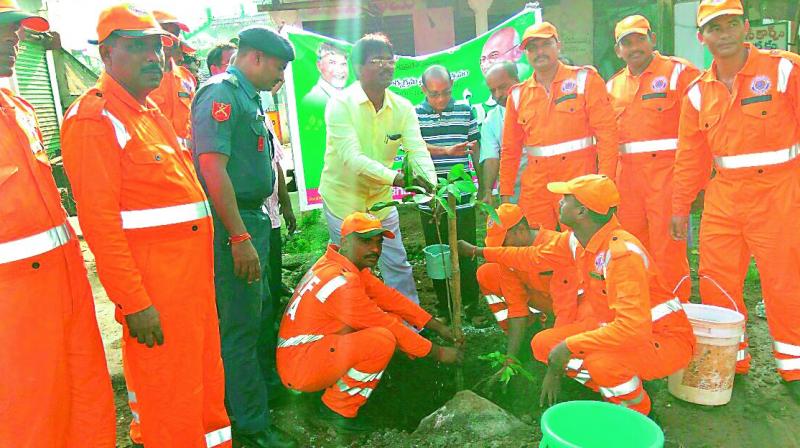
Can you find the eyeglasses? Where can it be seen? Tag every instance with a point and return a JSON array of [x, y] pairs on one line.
[[442, 94], [382, 62]]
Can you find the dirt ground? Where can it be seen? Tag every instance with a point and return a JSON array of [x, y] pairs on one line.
[[760, 413]]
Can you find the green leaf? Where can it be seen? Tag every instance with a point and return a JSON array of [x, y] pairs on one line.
[[421, 198], [443, 202], [489, 210], [416, 189], [456, 172], [381, 205], [465, 186]]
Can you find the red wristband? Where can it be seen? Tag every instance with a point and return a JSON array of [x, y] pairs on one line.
[[239, 238]]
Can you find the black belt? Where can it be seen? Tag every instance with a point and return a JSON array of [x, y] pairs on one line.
[[249, 204]]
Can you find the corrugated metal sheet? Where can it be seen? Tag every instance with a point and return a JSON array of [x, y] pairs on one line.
[[33, 80]]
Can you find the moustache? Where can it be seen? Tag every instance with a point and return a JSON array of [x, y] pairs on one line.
[[152, 68]]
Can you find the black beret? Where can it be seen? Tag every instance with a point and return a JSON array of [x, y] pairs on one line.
[[268, 41]]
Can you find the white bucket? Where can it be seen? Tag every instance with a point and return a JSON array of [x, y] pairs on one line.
[[708, 379]]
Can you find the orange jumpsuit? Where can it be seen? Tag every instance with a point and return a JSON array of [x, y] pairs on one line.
[[752, 136], [512, 293], [563, 132], [54, 384], [637, 331], [647, 108], [174, 97], [340, 330], [147, 222]]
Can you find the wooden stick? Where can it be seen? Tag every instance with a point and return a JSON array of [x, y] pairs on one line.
[[455, 280]]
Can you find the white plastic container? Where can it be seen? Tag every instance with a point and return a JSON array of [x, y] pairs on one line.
[[708, 379]]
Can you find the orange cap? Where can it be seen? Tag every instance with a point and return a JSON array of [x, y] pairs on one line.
[[595, 191], [635, 24], [711, 9], [510, 215], [544, 30], [127, 20], [10, 12], [365, 225], [164, 17]]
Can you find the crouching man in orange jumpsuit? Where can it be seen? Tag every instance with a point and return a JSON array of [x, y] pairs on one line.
[[54, 385], [744, 114], [637, 331], [147, 221], [343, 325], [513, 295]]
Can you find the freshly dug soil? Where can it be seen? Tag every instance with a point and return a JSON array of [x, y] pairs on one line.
[[760, 413]]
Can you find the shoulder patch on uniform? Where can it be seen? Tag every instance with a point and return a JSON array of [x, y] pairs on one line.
[[621, 246], [220, 111]]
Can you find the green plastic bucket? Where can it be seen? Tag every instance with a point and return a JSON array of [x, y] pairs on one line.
[[437, 261], [595, 424]]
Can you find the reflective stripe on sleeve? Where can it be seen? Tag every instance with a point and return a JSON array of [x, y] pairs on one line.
[[363, 376], [785, 67], [299, 340], [218, 437], [326, 290], [664, 309], [492, 299]]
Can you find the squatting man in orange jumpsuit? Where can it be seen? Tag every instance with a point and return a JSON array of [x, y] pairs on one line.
[[742, 116], [54, 386], [147, 221], [341, 328], [637, 329]]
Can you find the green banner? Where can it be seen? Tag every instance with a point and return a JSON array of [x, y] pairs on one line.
[[321, 68]]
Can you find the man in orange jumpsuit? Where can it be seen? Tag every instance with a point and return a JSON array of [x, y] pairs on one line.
[[743, 114], [646, 98], [54, 386], [147, 221], [342, 326], [637, 329], [515, 295], [561, 118], [174, 95]]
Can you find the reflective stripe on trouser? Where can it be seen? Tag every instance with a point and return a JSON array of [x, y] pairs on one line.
[[183, 402], [754, 213], [56, 389], [612, 372], [787, 357], [393, 263], [645, 210], [538, 204], [348, 367]]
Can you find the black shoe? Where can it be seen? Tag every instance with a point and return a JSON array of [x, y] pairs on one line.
[[341, 423], [794, 390], [262, 439]]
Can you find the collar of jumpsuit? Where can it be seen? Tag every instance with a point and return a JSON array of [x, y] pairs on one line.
[[244, 83], [749, 69]]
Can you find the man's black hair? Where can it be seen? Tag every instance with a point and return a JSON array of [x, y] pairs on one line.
[[368, 46], [215, 55]]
